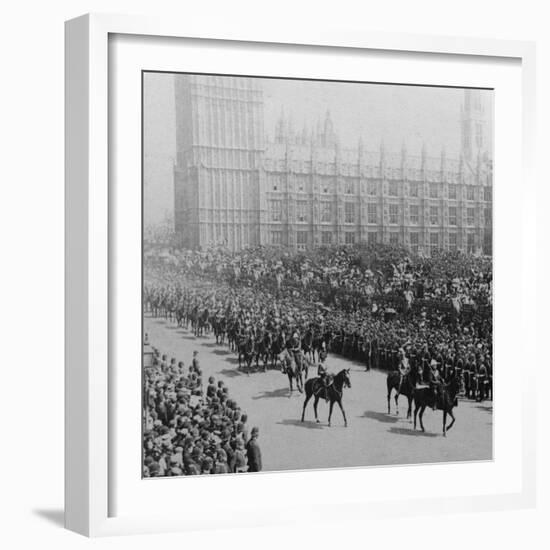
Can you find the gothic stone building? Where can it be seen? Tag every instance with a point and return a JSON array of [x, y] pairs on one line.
[[235, 188]]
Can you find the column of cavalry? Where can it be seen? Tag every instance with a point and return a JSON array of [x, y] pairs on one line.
[[294, 342], [426, 321], [261, 339]]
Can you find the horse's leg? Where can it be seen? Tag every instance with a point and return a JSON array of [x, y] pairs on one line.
[[409, 408], [343, 413], [330, 411], [452, 421], [396, 402], [315, 408], [308, 397], [290, 381], [422, 409], [444, 422]]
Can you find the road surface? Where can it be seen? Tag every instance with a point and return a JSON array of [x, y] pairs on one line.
[[372, 437]]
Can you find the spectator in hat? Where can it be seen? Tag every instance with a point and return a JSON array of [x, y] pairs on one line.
[[253, 452], [240, 456], [220, 466], [211, 388]]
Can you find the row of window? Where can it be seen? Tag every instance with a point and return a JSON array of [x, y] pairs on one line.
[[327, 238], [350, 211], [346, 169], [435, 191]]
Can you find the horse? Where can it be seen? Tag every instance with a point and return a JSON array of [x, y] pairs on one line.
[[307, 344], [277, 347], [233, 332], [334, 393], [405, 387], [264, 348], [245, 349], [318, 341], [293, 369], [219, 325], [202, 323], [446, 400]]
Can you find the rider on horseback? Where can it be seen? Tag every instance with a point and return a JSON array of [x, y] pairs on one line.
[[326, 379], [404, 367], [323, 352], [436, 382], [294, 345]]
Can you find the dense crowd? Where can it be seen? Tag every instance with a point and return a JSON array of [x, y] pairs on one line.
[[365, 303], [348, 277], [191, 427]]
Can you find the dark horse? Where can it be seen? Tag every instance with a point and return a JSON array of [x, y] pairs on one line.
[[307, 345], [245, 348], [277, 347], [262, 348], [334, 392], [200, 321], [445, 400], [405, 387]]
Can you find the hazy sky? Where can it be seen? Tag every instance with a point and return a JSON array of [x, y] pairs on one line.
[[396, 114]]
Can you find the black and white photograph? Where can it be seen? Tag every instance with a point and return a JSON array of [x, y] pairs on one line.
[[317, 274]]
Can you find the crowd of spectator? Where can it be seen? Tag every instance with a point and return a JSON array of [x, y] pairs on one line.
[[349, 277], [238, 288], [191, 426]]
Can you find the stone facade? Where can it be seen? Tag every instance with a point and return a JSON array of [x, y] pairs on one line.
[[302, 189]]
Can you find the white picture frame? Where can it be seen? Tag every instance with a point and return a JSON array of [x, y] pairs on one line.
[[89, 219]]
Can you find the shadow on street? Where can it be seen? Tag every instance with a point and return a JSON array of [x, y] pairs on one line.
[[411, 431], [381, 417], [281, 392], [309, 424]]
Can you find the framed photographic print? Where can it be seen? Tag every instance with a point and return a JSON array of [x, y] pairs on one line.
[[288, 272]]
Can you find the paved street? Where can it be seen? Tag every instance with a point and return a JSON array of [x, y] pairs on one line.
[[372, 437]]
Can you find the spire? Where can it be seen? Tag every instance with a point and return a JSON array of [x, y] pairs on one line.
[[403, 155], [290, 128], [318, 135], [382, 149], [280, 128], [329, 137], [305, 133], [424, 154], [328, 122]]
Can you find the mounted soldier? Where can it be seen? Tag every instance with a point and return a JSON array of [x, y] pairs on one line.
[[326, 379], [293, 345], [403, 366], [436, 383]]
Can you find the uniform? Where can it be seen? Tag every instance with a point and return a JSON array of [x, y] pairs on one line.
[[254, 455]]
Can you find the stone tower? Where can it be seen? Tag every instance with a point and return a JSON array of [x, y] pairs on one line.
[[476, 115], [218, 191]]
